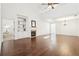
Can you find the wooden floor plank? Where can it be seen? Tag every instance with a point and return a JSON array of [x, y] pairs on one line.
[[40, 46]]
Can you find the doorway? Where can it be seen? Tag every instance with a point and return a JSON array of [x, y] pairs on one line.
[[53, 34], [8, 29]]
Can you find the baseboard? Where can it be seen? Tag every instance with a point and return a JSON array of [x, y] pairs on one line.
[[67, 35], [33, 36], [43, 35]]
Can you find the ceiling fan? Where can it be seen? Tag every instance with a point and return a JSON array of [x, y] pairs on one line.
[[50, 5]]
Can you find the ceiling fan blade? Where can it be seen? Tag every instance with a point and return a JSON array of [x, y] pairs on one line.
[[49, 3], [44, 4], [55, 3]]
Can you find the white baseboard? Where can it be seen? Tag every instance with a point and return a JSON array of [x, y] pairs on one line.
[[68, 35]]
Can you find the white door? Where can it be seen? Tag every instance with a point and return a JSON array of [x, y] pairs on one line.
[[53, 34]]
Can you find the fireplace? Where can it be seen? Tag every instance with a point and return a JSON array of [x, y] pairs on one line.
[[33, 33]]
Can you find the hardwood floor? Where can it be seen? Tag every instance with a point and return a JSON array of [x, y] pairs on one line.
[[40, 46]]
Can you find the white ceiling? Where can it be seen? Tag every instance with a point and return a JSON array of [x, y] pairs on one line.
[[62, 10]]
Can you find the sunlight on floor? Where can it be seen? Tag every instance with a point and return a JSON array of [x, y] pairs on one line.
[[46, 37], [65, 49]]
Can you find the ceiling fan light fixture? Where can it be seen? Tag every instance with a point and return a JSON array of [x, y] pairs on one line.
[[52, 6], [49, 7]]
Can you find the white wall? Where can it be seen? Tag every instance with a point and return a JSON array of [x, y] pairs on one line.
[[72, 28], [0, 27], [78, 27], [10, 11], [43, 28]]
